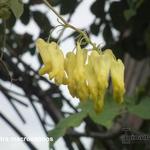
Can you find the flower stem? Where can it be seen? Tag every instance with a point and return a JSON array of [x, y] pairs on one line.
[[67, 25]]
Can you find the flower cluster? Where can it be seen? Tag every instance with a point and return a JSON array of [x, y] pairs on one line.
[[86, 74]]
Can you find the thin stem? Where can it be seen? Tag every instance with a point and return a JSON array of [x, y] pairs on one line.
[[67, 25], [54, 11], [4, 38], [5, 66]]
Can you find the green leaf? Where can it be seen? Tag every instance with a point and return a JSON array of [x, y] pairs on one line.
[[64, 124], [129, 13], [133, 6], [16, 6], [4, 13], [110, 111], [142, 109], [3, 3]]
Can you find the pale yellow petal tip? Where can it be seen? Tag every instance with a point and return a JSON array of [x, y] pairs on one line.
[[39, 44], [39, 41], [108, 51], [44, 70], [41, 72], [119, 100], [119, 96], [98, 106]]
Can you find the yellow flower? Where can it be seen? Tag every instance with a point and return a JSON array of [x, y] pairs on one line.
[[91, 76], [75, 70], [117, 75], [70, 63], [97, 76], [53, 60], [79, 73], [85, 75]]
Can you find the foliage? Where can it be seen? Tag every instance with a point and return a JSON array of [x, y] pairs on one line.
[[107, 116], [111, 111], [142, 109], [16, 6], [64, 124]]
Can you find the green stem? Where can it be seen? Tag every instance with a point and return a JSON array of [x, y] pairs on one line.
[[67, 25]]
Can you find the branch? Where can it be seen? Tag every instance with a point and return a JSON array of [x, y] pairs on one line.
[[38, 115], [28, 143], [106, 135], [14, 107]]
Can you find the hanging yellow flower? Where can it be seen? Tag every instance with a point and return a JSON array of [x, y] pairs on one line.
[[53, 60], [117, 75], [97, 76], [75, 71], [86, 75]]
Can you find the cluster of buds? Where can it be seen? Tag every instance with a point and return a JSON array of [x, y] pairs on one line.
[[85, 73]]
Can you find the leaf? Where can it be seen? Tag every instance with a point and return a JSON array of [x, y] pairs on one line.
[[97, 9], [16, 6], [116, 11], [107, 34], [68, 6], [95, 28], [42, 21], [106, 117], [133, 6], [64, 124], [142, 109], [55, 2], [3, 3], [4, 13], [129, 13], [25, 18], [11, 22]]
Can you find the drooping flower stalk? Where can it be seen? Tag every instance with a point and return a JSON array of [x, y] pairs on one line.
[[86, 75]]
